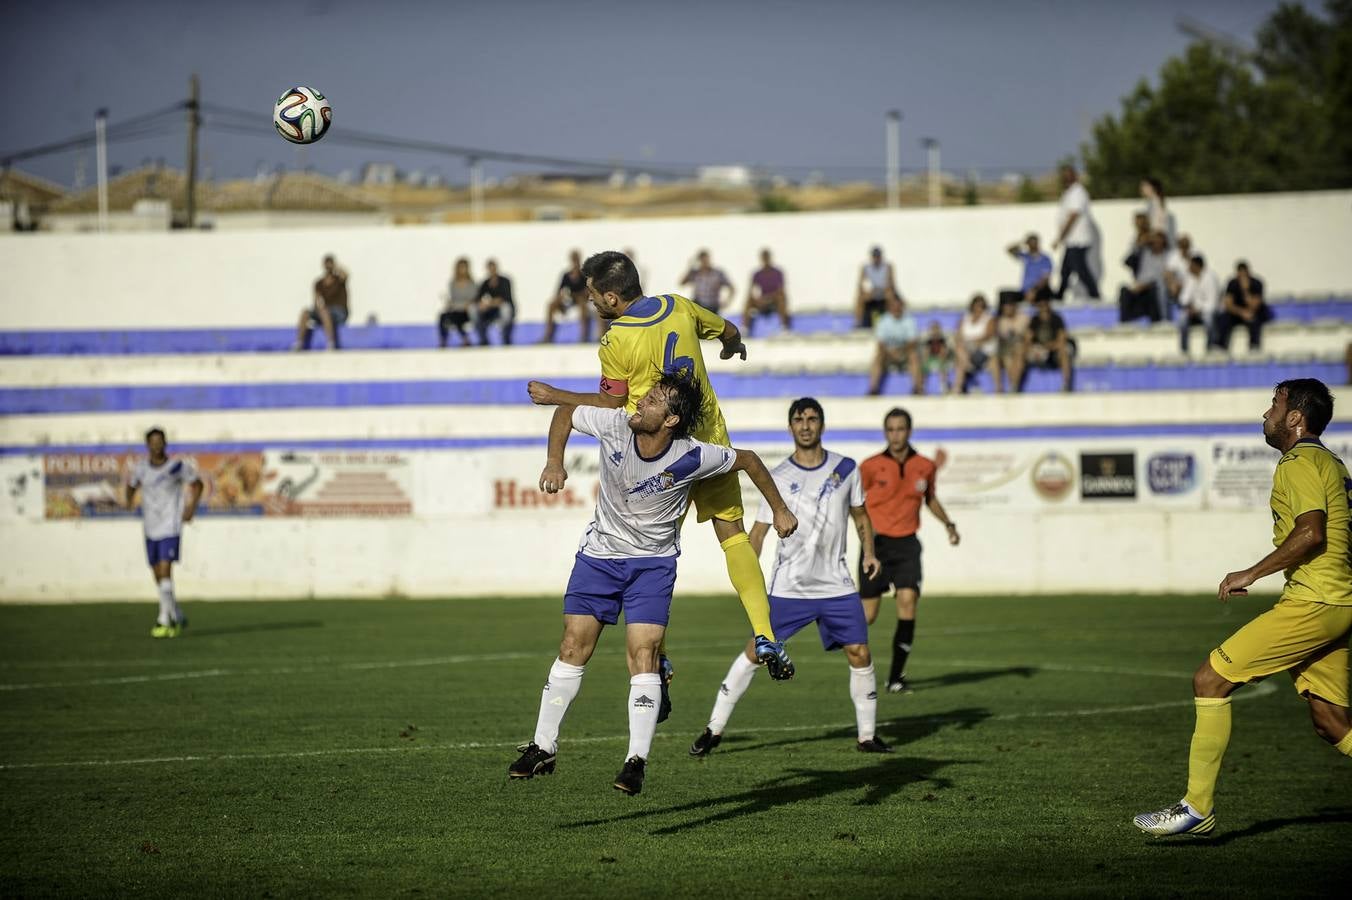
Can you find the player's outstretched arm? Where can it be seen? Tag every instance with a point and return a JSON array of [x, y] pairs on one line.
[[542, 394], [938, 509], [555, 475], [786, 523], [731, 339], [864, 526], [1307, 536]]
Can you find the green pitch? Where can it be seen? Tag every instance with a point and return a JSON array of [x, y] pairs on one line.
[[361, 748]]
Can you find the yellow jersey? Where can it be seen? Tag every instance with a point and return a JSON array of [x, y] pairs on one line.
[[1311, 477], [658, 335]]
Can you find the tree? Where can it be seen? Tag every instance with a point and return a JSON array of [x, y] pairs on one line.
[[1222, 121]]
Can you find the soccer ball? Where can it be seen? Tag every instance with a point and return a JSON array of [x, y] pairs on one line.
[[302, 115]]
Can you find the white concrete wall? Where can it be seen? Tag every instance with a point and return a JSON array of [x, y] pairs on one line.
[[1297, 242]]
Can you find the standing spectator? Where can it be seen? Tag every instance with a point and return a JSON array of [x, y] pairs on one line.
[[1140, 239], [1200, 302], [974, 343], [1176, 267], [937, 357], [572, 292], [898, 338], [1037, 271], [1049, 345], [1157, 209], [1148, 295], [708, 283], [1244, 306], [1011, 348], [766, 295], [460, 298], [328, 309], [876, 286], [493, 303], [1076, 232], [896, 483]]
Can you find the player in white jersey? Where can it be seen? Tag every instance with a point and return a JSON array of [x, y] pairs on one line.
[[626, 561], [811, 581], [163, 512]]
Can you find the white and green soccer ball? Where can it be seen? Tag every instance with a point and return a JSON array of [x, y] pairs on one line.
[[302, 115]]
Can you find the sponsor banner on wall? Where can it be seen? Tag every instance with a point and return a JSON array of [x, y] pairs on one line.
[[270, 483], [1108, 476]]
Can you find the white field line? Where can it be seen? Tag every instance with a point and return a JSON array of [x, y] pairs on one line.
[[1260, 690]]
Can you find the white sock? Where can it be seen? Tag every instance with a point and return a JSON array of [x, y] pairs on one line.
[[560, 690], [645, 692], [731, 690], [166, 589], [864, 694]]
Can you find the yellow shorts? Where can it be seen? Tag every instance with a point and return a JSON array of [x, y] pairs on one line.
[[718, 498], [1309, 640]]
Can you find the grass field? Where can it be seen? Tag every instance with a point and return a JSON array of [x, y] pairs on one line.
[[360, 748]]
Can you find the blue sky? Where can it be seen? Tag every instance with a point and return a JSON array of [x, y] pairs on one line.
[[795, 85]]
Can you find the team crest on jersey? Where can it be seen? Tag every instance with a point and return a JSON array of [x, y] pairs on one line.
[[921, 485]]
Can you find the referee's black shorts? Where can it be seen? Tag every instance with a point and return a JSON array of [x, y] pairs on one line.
[[900, 558]]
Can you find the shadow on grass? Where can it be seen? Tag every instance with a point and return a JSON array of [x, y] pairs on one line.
[[953, 679], [1341, 815], [254, 627], [896, 732]]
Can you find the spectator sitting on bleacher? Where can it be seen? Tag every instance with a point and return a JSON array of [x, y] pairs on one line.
[[460, 297], [1049, 345], [1037, 271], [1200, 302], [328, 310], [876, 286], [572, 292], [974, 343], [1011, 347], [898, 339], [1244, 306], [1147, 295], [766, 295], [493, 303], [1140, 239], [1177, 266], [938, 357], [707, 283]]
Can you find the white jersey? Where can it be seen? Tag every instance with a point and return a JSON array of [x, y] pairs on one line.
[[162, 495], [810, 563], [641, 501]]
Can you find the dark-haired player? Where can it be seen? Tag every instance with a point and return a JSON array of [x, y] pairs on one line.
[[1306, 633], [627, 558], [163, 512]]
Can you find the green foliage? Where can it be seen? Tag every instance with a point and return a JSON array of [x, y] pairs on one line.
[[970, 196], [360, 748], [771, 202], [1028, 191], [1221, 123]]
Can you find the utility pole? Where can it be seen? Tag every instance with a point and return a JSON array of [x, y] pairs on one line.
[[101, 163], [893, 131], [932, 165], [476, 190], [194, 122]]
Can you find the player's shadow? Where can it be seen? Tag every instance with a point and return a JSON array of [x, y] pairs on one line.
[[897, 732], [1323, 817], [879, 782], [253, 627], [953, 679]]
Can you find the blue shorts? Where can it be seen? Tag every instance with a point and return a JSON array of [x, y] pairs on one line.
[[840, 620], [642, 587], [163, 550]]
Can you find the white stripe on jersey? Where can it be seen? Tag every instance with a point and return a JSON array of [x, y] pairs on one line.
[[810, 564], [641, 502], [162, 495]]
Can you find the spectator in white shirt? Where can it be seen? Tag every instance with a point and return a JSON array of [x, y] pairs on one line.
[[1156, 209], [1147, 295], [1176, 266], [1075, 230], [974, 343], [1200, 300]]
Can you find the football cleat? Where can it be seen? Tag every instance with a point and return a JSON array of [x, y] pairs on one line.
[[533, 761], [630, 779], [705, 743], [873, 745], [776, 660], [666, 671], [1176, 819], [900, 686], [163, 631]]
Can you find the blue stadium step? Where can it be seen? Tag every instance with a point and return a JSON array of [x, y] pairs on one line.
[[421, 337]]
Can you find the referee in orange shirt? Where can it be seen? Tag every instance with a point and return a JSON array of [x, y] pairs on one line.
[[895, 483]]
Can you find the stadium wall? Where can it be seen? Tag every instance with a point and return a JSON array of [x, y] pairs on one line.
[[1297, 242]]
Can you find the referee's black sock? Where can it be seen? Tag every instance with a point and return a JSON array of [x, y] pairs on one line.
[[901, 648]]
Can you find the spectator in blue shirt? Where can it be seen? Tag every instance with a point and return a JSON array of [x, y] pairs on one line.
[[898, 336], [1037, 271]]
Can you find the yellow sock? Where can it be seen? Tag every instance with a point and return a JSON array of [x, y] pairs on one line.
[[1345, 745], [747, 579], [1209, 740]]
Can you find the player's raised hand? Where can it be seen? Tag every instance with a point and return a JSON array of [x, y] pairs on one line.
[[1232, 584], [541, 394], [871, 566], [553, 477], [786, 523]]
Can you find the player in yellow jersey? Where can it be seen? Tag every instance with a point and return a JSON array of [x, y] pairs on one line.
[[650, 336], [1307, 632]]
